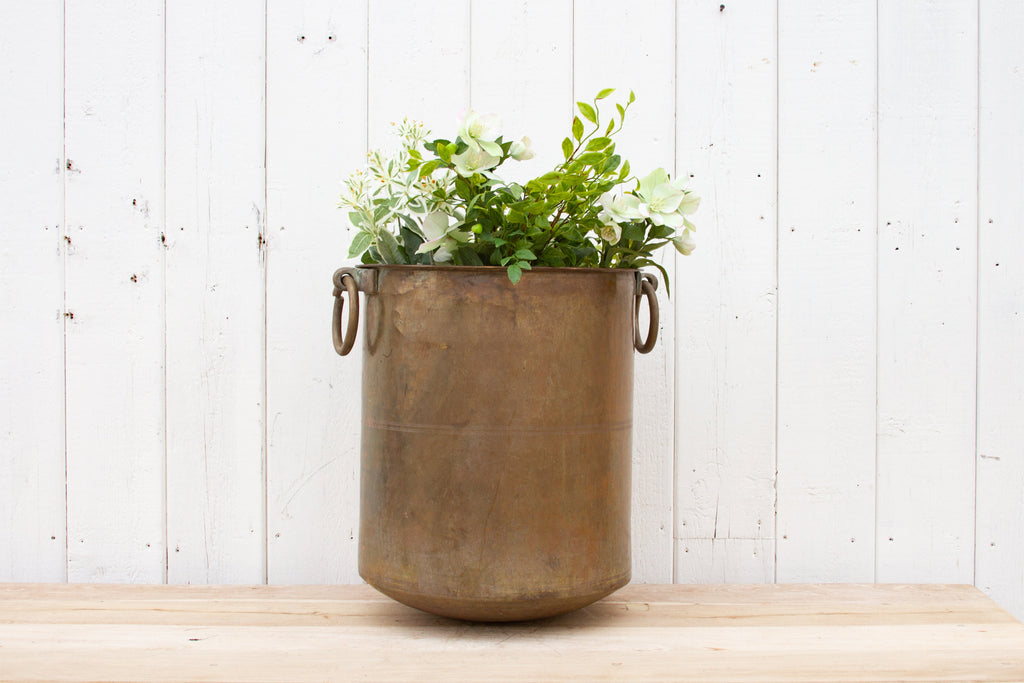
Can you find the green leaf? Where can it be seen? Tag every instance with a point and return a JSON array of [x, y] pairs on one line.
[[409, 223], [355, 218], [567, 148], [598, 143], [514, 272], [622, 110], [469, 257], [463, 188], [360, 243], [632, 97], [577, 128], [633, 232], [610, 128], [591, 157], [660, 232], [604, 93], [410, 243], [587, 111], [429, 167], [525, 255], [612, 163], [387, 245]]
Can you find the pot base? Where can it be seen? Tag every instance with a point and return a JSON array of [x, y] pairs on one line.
[[523, 608]]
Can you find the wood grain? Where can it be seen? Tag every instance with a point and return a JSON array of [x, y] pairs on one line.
[[32, 515], [753, 431], [642, 633], [530, 45], [999, 541], [114, 199], [316, 133], [631, 47], [827, 293], [927, 290], [725, 293], [216, 285]]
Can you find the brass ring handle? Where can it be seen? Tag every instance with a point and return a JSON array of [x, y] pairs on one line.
[[648, 284], [345, 281]]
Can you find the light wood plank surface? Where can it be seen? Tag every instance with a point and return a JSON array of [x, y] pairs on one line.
[[805, 632]]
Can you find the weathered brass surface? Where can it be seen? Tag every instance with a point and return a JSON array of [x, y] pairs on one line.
[[496, 436]]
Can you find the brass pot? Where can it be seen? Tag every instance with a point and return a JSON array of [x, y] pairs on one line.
[[496, 434]]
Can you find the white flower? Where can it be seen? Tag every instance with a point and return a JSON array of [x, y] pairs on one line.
[[685, 243], [522, 150], [621, 208], [610, 232], [474, 161], [480, 131], [440, 236], [661, 199], [689, 204]]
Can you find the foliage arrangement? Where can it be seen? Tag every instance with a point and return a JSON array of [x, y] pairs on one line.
[[441, 202]]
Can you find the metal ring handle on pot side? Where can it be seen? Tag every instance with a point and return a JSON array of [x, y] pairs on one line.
[[345, 282], [647, 284]]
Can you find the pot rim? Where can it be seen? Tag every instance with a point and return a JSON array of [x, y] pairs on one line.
[[493, 269]]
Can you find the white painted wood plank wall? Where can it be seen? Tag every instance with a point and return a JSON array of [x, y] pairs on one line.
[[32, 248], [837, 393], [827, 292], [215, 204], [114, 342]]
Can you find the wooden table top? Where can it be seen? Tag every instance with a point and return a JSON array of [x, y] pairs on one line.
[[642, 633]]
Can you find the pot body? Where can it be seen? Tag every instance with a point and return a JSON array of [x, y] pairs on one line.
[[496, 439]]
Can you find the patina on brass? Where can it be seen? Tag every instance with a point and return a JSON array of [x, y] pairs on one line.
[[496, 435]]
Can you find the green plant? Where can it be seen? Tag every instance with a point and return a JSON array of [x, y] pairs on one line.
[[440, 201]]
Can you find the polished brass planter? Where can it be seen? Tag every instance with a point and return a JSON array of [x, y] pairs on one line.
[[496, 434]]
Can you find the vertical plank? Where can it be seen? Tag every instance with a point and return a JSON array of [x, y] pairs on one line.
[[725, 560], [419, 65], [927, 281], [632, 47], [1000, 522], [316, 133], [530, 45], [32, 515], [827, 253], [115, 290], [725, 303], [215, 292]]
